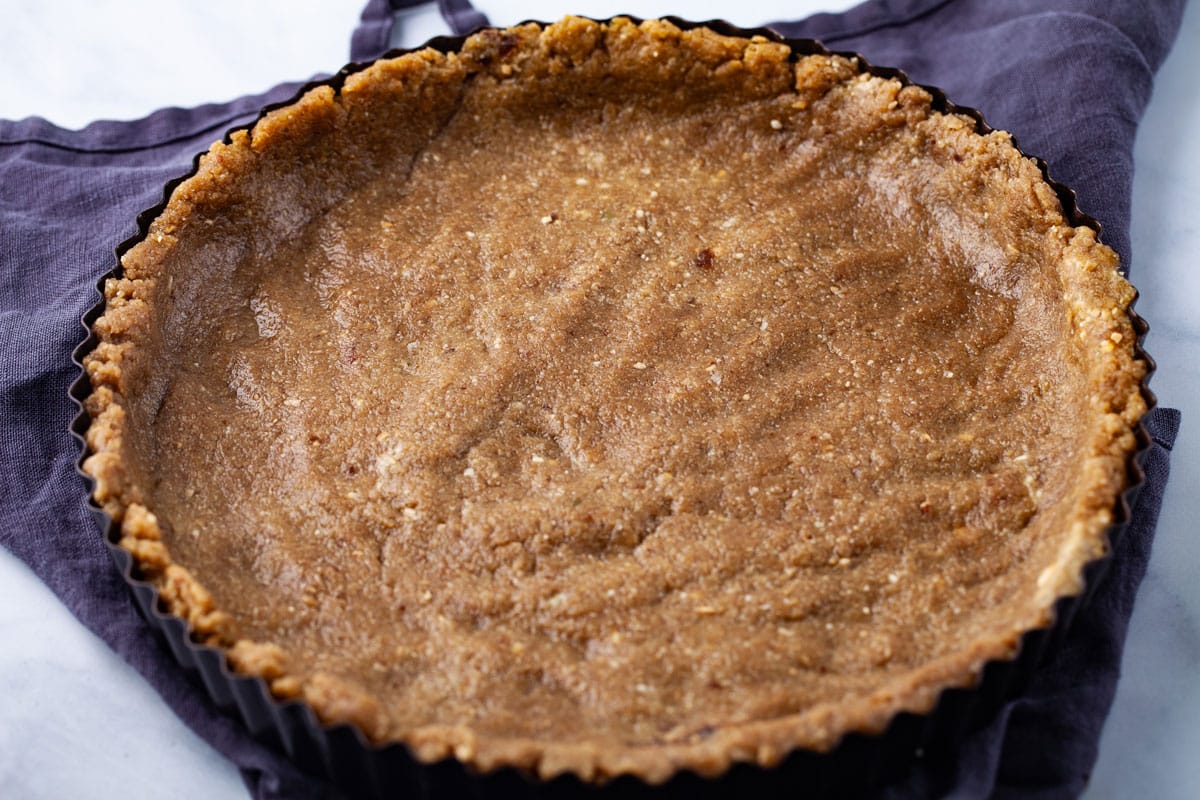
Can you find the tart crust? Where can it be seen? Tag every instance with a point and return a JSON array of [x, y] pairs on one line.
[[939, 495]]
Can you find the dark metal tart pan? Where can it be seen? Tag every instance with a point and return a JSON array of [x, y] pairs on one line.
[[342, 755]]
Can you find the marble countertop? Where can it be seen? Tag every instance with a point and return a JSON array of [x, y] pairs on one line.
[[76, 721]]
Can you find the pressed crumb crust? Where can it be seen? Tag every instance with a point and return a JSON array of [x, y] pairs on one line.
[[608, 398]]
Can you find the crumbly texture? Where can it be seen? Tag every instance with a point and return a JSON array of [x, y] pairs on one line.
[[607, 398]]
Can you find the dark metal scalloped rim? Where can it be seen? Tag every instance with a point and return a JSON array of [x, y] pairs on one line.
[[343, 755]]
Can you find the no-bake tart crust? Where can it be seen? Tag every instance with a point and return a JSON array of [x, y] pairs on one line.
[[608, 398]]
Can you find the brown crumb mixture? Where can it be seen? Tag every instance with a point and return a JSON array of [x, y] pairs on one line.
[[608, 398]]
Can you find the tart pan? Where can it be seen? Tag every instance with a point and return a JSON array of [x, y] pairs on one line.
[[343, 756]]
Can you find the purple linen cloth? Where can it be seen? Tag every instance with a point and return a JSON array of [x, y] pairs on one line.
[[1069, 77]]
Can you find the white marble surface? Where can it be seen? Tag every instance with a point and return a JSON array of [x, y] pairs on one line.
[[75, 721]]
